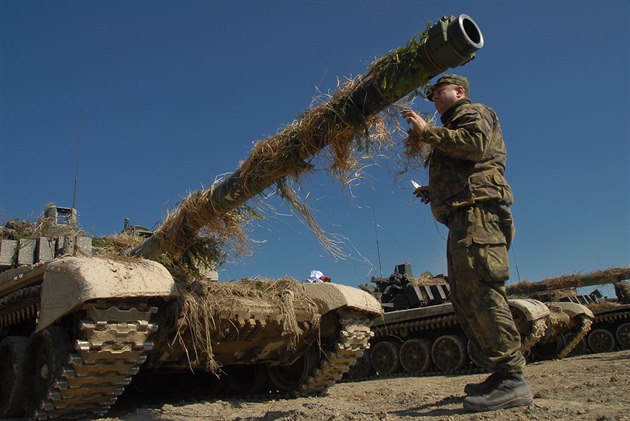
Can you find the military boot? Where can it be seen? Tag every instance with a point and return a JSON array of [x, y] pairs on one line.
[[473, 389], [510, 391]]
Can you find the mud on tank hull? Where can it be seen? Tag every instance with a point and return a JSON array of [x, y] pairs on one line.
[[76, 330]]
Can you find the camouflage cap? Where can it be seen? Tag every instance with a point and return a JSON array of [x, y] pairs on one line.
[[449, 79]]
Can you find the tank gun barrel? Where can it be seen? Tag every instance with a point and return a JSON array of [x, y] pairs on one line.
[[450, 43], [608, 276]]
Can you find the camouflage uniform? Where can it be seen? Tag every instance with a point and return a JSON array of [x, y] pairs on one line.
[[470, 195]]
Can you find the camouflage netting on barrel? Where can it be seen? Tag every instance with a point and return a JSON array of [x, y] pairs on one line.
[[196, 232], [353, 124], [565, 282], [199, 238]]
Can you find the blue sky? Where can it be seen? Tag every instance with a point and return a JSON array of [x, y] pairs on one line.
[[157, 98]]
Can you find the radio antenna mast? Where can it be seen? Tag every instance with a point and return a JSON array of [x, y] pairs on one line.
[[76, 172], [378, 248]]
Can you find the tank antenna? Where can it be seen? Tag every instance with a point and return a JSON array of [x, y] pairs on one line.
[[518, 274], [76, 172], [378, 248]]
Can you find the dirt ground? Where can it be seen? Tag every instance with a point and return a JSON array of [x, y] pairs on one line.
[[590, 387]]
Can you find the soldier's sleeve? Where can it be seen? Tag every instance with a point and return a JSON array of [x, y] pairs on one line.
[[469, 139]]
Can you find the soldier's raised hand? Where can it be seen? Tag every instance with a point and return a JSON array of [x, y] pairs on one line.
[[413, 118]]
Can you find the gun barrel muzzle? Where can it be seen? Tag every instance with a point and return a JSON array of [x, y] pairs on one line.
[[453, 42]]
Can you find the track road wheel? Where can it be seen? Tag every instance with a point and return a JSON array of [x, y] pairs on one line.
[[550, 349], [47, 352], [384, 357], [601, 340], [415, 355], [246, 379], [289, 378], [12, 356], [623, 335], [449, 353]]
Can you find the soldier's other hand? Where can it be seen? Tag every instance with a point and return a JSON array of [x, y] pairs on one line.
[[413, 118], [423, 193]]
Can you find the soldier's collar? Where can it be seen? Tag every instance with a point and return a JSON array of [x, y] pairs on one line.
[[446, 117]]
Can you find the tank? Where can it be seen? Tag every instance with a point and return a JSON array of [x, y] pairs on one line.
[[419, 332], [610, 329], [78, 326]]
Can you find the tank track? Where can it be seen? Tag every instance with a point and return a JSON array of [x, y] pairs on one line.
[[111, 349], [403, 329], [585, 327], [610, 320], [536, 333], [537, 330], [352, 341]]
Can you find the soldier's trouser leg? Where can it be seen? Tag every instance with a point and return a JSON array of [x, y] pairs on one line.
[[477, 274]]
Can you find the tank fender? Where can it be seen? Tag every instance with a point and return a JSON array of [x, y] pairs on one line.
[[330, 297], [531, 309], [71, 281], [574, 309]]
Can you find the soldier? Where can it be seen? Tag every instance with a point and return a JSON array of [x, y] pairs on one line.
[[622, 291], [470, 195]]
